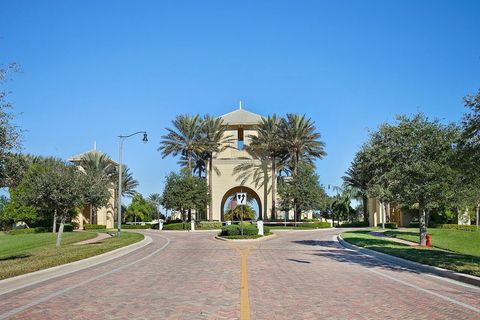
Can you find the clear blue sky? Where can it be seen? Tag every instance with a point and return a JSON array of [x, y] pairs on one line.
[[95, 69]]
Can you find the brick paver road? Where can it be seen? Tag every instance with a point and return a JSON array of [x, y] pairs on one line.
[[295, 275]]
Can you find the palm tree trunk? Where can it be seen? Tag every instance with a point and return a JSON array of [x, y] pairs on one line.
[[190, 162], [274, 187], [210, 177], [365, 208]]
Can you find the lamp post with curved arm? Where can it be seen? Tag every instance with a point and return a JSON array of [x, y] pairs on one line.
[[120, 147]]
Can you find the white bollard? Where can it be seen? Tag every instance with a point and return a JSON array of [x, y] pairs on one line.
[[260, 227], [160, 225], [192, 225], [229, 223]]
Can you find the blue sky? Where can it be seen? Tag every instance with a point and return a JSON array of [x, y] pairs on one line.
[[95, 69]]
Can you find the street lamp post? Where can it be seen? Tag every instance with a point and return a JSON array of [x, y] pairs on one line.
[[120, 147]]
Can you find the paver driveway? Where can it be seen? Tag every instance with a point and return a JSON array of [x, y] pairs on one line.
[[295, 275]]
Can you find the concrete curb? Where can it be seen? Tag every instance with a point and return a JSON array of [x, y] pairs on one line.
[[465, 278], [245, 240], [28, 279]]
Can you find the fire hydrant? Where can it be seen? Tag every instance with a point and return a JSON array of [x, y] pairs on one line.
[[428, 241]]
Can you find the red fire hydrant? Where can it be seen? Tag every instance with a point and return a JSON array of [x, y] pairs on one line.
[[428, 241]]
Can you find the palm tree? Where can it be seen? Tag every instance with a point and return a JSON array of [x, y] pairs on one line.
[[156, 200], [100, 170], [199, 163], [184, 138], [214, 141], [267, 142], [355, 178], [302, 143]]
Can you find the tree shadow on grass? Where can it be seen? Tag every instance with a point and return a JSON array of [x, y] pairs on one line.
[[16, 256], [434, 257]]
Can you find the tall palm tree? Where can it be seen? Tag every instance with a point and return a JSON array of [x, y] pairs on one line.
[[214, 140], [267, 142], [100, 170], [199, 163], [184, 138], [354, 178], [302, 144], [156, 200]]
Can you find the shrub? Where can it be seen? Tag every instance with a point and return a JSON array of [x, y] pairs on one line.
[[67, 227], [354, 225], [21, 231], [389, 225], [316, 225], [209, 225], [457, 227], [234, 230], [414, 224], [177, 226], [266, 230], [137, 226], [89, 226]]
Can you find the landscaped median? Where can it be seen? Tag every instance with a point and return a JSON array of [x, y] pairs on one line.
[[24, 253], [250, 231], [452, 249]]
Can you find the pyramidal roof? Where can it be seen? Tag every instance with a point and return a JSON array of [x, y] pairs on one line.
[[241, 116]]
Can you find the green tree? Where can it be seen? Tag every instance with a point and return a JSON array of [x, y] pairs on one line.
[[10, 134], [184, 192], [155, 200], [302, 191], [411, 164], [469, 153], [140, 209], [58, 188]]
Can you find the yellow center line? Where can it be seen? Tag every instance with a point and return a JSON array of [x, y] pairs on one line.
[[244, 298]]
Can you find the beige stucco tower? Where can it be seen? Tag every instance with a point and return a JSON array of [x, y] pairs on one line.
[[240, 125]]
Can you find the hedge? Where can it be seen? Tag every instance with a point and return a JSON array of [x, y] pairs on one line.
[[456, 227], [177, 226], [66, 228], [389, 225], [209, 225], [355, 225], [89, 226], [138, 226], [414, 224]]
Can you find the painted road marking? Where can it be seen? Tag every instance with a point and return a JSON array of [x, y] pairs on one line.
[[62, 291], [244, 296]]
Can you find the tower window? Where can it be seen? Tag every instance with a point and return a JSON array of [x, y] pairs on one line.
[[240, 139]]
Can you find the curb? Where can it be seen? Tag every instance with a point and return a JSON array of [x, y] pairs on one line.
[[29, 279], [465, 278], [245, 240]]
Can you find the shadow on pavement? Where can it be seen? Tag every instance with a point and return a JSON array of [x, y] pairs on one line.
[[321, 243], [299, 261]]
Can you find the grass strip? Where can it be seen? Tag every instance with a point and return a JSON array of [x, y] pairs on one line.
[[20, 254], [464, 263]]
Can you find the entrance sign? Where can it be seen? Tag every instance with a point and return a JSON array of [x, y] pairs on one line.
[[241, 198]]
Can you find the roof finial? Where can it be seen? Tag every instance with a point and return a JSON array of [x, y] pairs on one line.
[[240, 106], [94, 145]]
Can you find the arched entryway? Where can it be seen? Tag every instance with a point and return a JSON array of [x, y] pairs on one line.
[[250, 192]]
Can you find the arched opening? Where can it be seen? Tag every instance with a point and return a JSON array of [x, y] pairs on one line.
[[250, 192]]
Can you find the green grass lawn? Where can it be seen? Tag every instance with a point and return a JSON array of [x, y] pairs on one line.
[[456, 261], [25, 253], [466, 242]]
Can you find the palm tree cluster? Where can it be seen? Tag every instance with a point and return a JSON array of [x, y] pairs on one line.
[[285, 144], [196, 139]]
